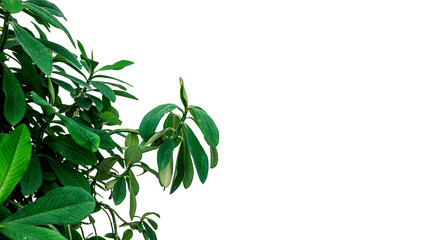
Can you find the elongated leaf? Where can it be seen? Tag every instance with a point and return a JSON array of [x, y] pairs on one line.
[[74, 79], [83, 137], [151, 234], [117, 66], [97, 101], [197, 153], [127, 235], [165, 175], [47, 108], [206, 125], [52, 8], [133, 154], [15, 154], [164, 154], [119, 191], [152, 118], [180, 167], [83, 102], [214, 157], [105, 90], [12, 6], [64, 85], [104, 168], [33, 178], [113, 78], [4, 212], [36, 50], [58, 49], [68, 176], [65, 146], [65, 205], [125, 94], [106, 142], [133, 183], [28, 232], [183, 94], [132, 204], [188, 166], [15, 105]]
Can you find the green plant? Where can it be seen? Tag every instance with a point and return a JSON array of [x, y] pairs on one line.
[[58, 159]]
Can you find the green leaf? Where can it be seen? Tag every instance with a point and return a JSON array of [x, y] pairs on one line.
[[68, 176], [36, 50], [65, 205], [104, 168], [65, 146], [131, 139], [183, 94], [164, 154], [15, 105], [180, 167], [151, 234], [97, 101], [83, 102], [165, 175], [65, 232], [52, 8], [133, 154], [197, 153], [117, 66], [28, 232], [132, 204], [214, 157], [33, 178], [64, 85], [4, 212], [12, 6], [206, 125], [172, 121], [105, 90], [113, 78], [58, 49], [188, 166], [152, 118], [83, 137], [125, 94], [110, 119], [127, 235], [152, 223], [119, 191], [74, 79], [15, 154], [47, 108], [133, 183]]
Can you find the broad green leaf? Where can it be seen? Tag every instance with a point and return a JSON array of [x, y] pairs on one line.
[[133, 154], [183, 94], [152, 118], [97, 101], [68, 176], [36, 50], [64, 85], [83, 137], [74, 234], [47, 108], [172, 121], [127, 235], [52, 8], [105, 90], [165, 175], [65, 146], [151, 234], [106, 142], [197, 153], [4, 212], [206, 125], [180, 167], [15, 154], [83, 102], [214, 157], [12, 6], [104, 168], [131, 139], [110, 119], [119, 191], [74, 79], [164, 154], [22, 231], [188, 166], [15, 105], [125, 94], [117, 66], [33, 178], [58, 49], [65, 205]]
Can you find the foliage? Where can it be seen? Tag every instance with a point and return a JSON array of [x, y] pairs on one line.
[[60, 155]]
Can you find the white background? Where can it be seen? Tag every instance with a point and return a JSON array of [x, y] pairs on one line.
[[321, 107]]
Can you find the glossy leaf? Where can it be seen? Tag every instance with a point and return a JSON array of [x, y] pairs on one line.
[[119, 191], [32, 179], [214, 157], [64, 85], [12, 6], [152, 118], [83, 137], [206, 125], [112, 78], [15, 154], [125, 94], [28, 232], [117, 66], [180, 167], [65, 205], [47, 108], [65, 146], [36, 50], [151, 234], [165, 175], [58, 49], [127, 235], [52, 8], [132, 204], [97, 101], [105, 90], [74, 79], [164, 154], [15, 106], [197, 153]]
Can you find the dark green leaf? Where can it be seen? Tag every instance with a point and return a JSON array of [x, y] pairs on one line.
[[125, 94], [83, 102], [206, 125], [104, 168], [64, 85], [117, 66], [15, 154], [74, 79], [188, 166], [164, 154], [113, 78], [83, 137], [132, 204], [152, 223], [214, 157], [37, 51], [115, 85], [58, 49], [65, 146], [119, 191], [68, 176], [127, 235], [197, 153], [33, 178], [28, 232], [105, 90], [179, 169], [152, 118], [47, 108], [151, 234], [52, 8], [65, 205], [15, 105], [110, 119], [4, 212], [97, 101]]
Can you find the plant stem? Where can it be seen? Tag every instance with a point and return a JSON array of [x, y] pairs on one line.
[[14, 203], [178, 128], [5, 31]]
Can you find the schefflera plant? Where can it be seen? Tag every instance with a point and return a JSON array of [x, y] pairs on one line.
[[59, 159]]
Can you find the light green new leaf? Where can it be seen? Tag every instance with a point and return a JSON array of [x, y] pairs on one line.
[[66, 146], [152, 118], [28, 232], [119, 191], [65, 205], [12, 6], [117, 66], [183, 94], [206, 125], [105, 90], [83, 137], [47, 108], [197, 153], [15, 154], [131, 139], [164, 154], [36, 50], [15, 105], [33, 177]]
